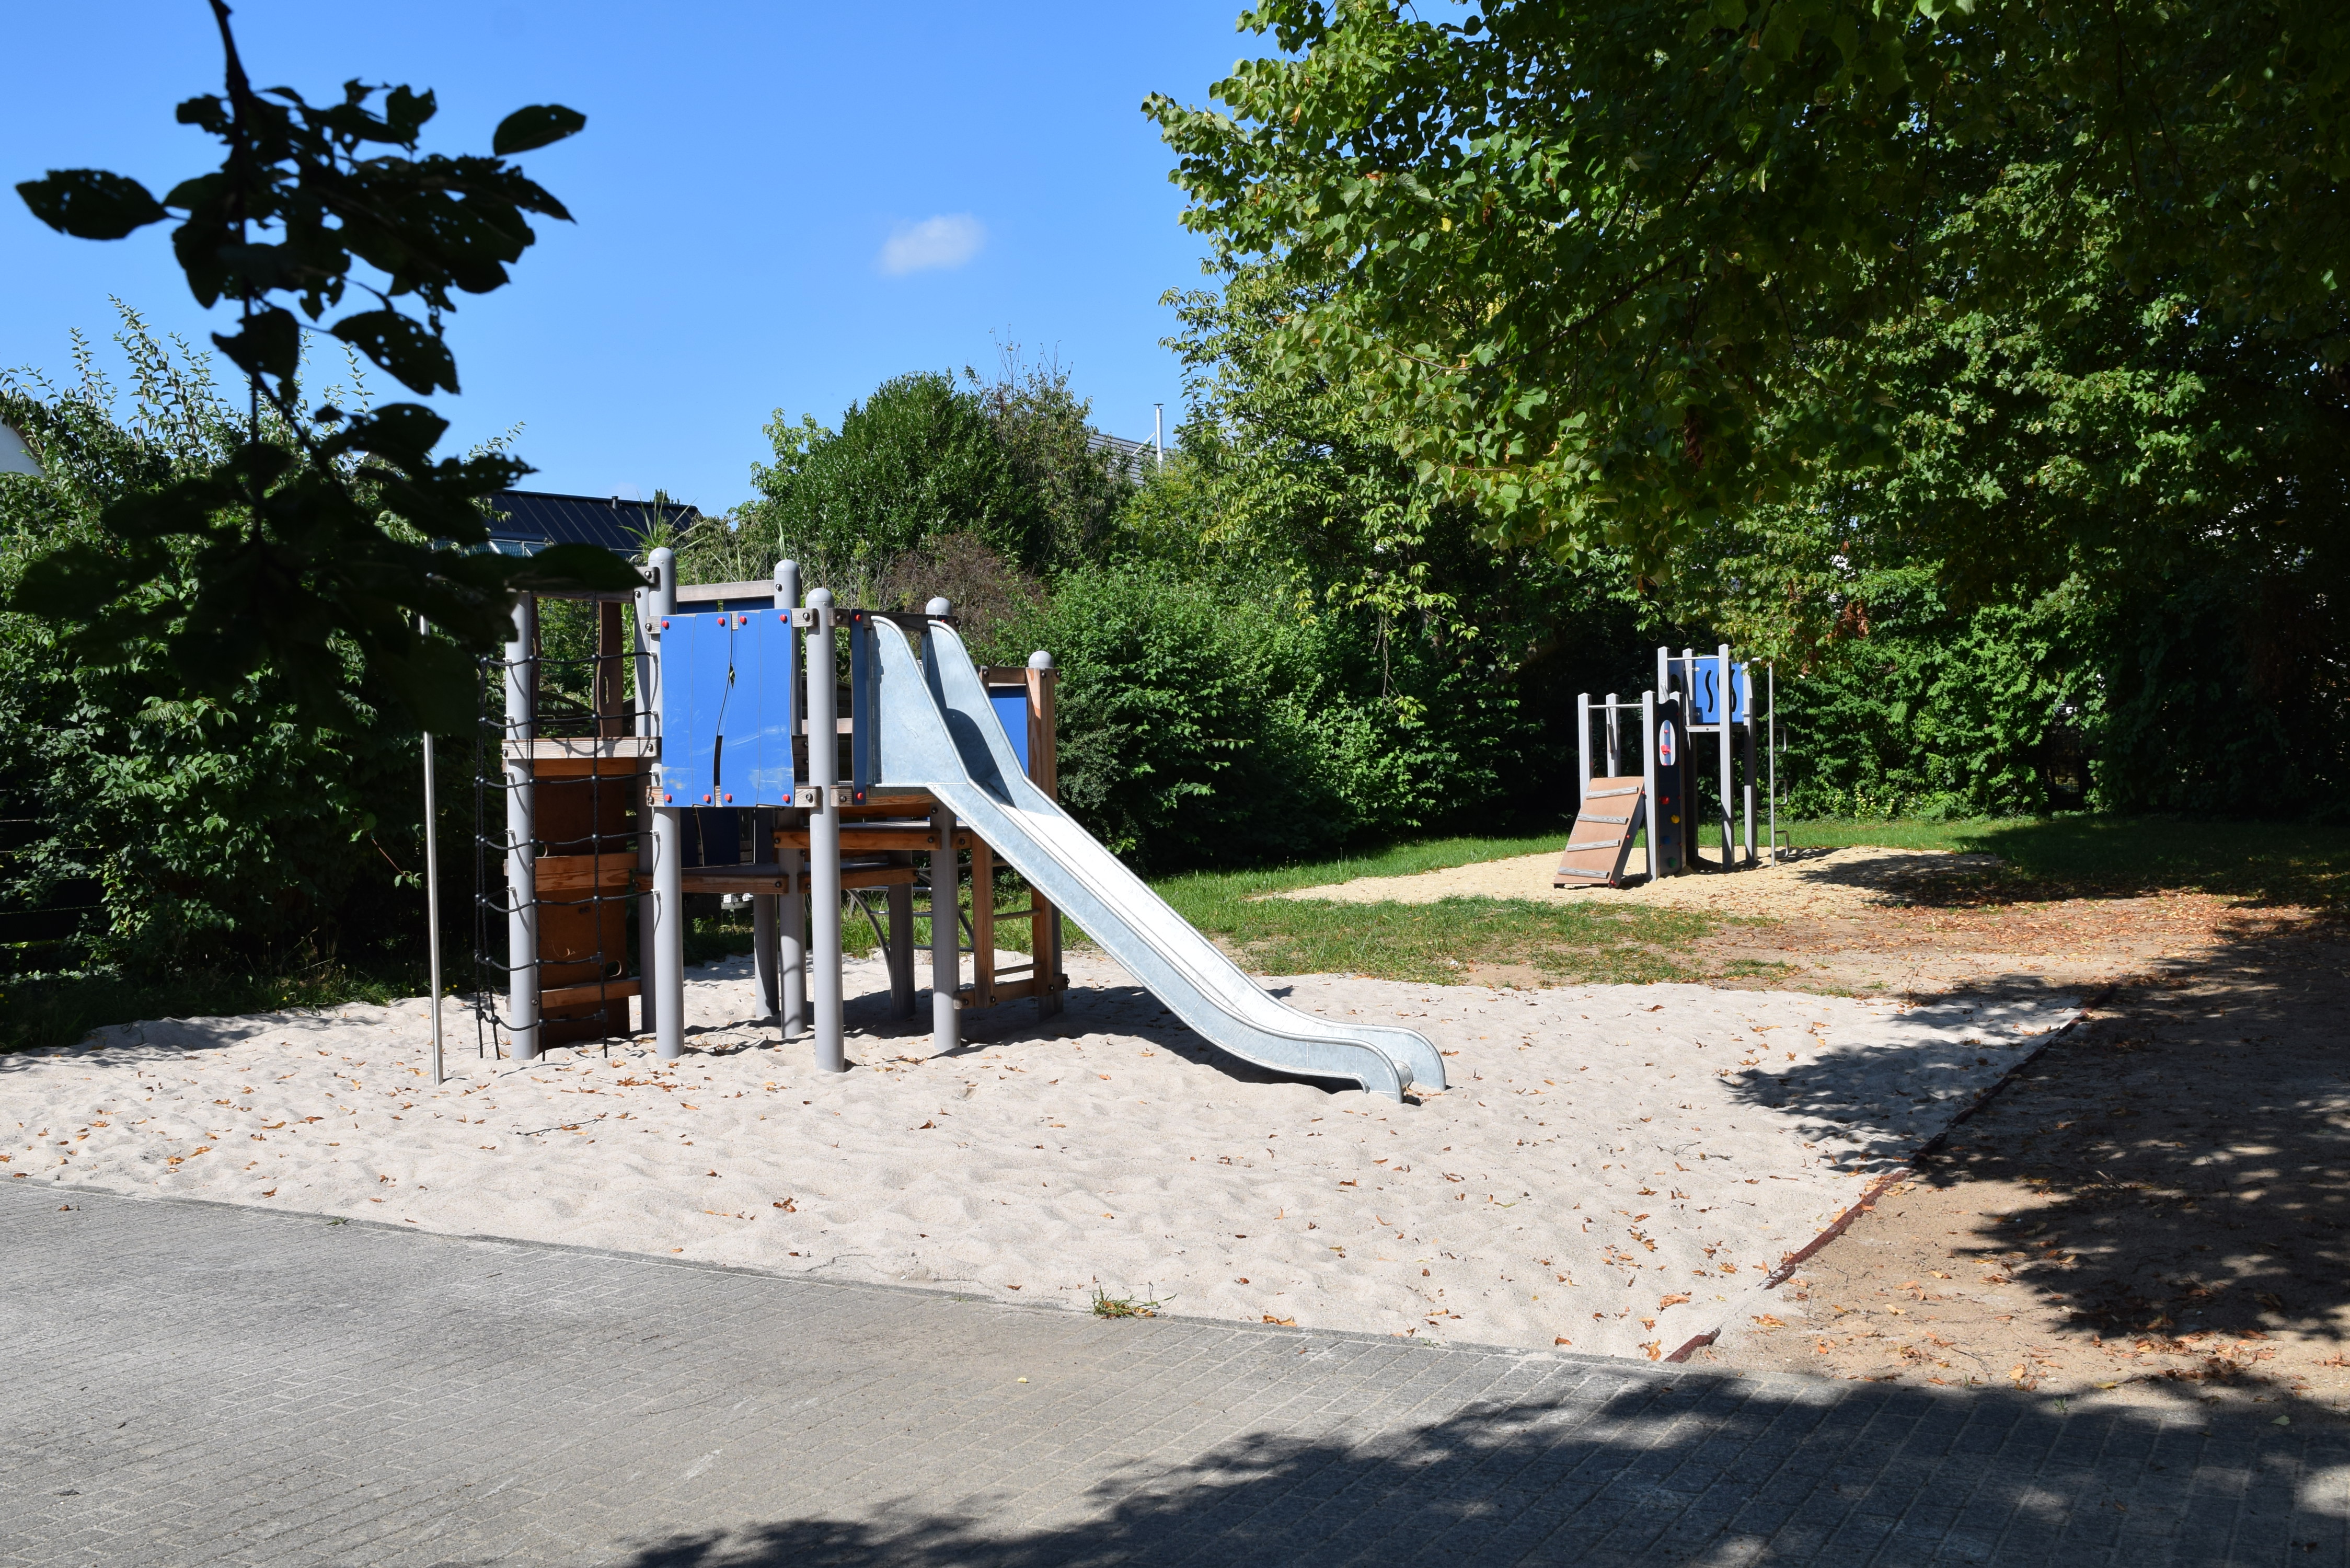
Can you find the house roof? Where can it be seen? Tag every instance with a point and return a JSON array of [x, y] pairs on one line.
[[531, 520], [14, 456]]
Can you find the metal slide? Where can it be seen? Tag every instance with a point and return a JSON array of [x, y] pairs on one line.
[[937, 733]]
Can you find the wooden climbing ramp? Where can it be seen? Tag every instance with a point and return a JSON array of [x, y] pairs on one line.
[[1600, 843]]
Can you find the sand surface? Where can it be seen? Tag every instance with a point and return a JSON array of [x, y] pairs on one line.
[[1820, 883], [1614, 1169]]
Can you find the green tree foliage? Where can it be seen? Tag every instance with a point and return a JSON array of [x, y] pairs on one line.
[[223, 833], [1291, 644], [1613, 268], [329, 535], [917, 460], [922, 459], [1964, 357]]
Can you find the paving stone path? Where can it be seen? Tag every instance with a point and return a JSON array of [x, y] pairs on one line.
[[183, 1382]]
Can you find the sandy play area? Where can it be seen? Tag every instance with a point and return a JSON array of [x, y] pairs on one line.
[[1614, 1169]]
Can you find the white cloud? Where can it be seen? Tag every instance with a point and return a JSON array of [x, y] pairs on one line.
[[947, 241]]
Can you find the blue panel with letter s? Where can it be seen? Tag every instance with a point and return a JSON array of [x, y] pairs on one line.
[[727, 706]]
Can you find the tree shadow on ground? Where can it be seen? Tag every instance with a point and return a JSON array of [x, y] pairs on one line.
[[2169, 1179], [1697, 1470], [2191, 1150]]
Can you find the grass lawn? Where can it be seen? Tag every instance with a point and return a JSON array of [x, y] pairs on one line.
[[1425, 941], [2281, 862]]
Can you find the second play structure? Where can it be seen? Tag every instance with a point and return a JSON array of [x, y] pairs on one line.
[[1710, 696], [727, 752]]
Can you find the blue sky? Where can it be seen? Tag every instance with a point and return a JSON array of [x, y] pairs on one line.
[[777, 206]]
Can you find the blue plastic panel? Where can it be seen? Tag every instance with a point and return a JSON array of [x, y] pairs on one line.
[[1012, 713], [1705, 701], [727, 707]]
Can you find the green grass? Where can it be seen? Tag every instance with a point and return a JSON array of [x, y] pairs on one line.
[[1431, 943], [2291, 862]]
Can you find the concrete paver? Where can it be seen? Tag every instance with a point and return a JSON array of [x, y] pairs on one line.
[[188, 1384]]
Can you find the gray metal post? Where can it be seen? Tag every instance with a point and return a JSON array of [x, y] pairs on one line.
[[1664, 657], [1582, 751], [790, 992], [946, 912], [823, 837], [1729, 802], [669, 850], [1615, 740], [763, 956], [791, 995], [1771, 684], [522, 881], [432, 885], [1746, 766], [1649, 779], [647, 726], [901, 954]]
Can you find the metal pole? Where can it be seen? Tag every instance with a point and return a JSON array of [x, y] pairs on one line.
[[1657, 823], [824, 835], [1724, 698], [1159, 432], [669, 848], [1582, 751], [764, 955], [648, 727], [901, 954], [521, 878], [791, 956], [1771, 681], [432, 885], [1746, 762], [1615, 742], [791, 995], [946, 907]]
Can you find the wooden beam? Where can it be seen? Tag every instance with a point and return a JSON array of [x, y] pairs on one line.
[[582, 995], [919, 839], [582, 873]]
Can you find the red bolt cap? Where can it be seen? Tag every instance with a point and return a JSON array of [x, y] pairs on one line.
[[730, 800]]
